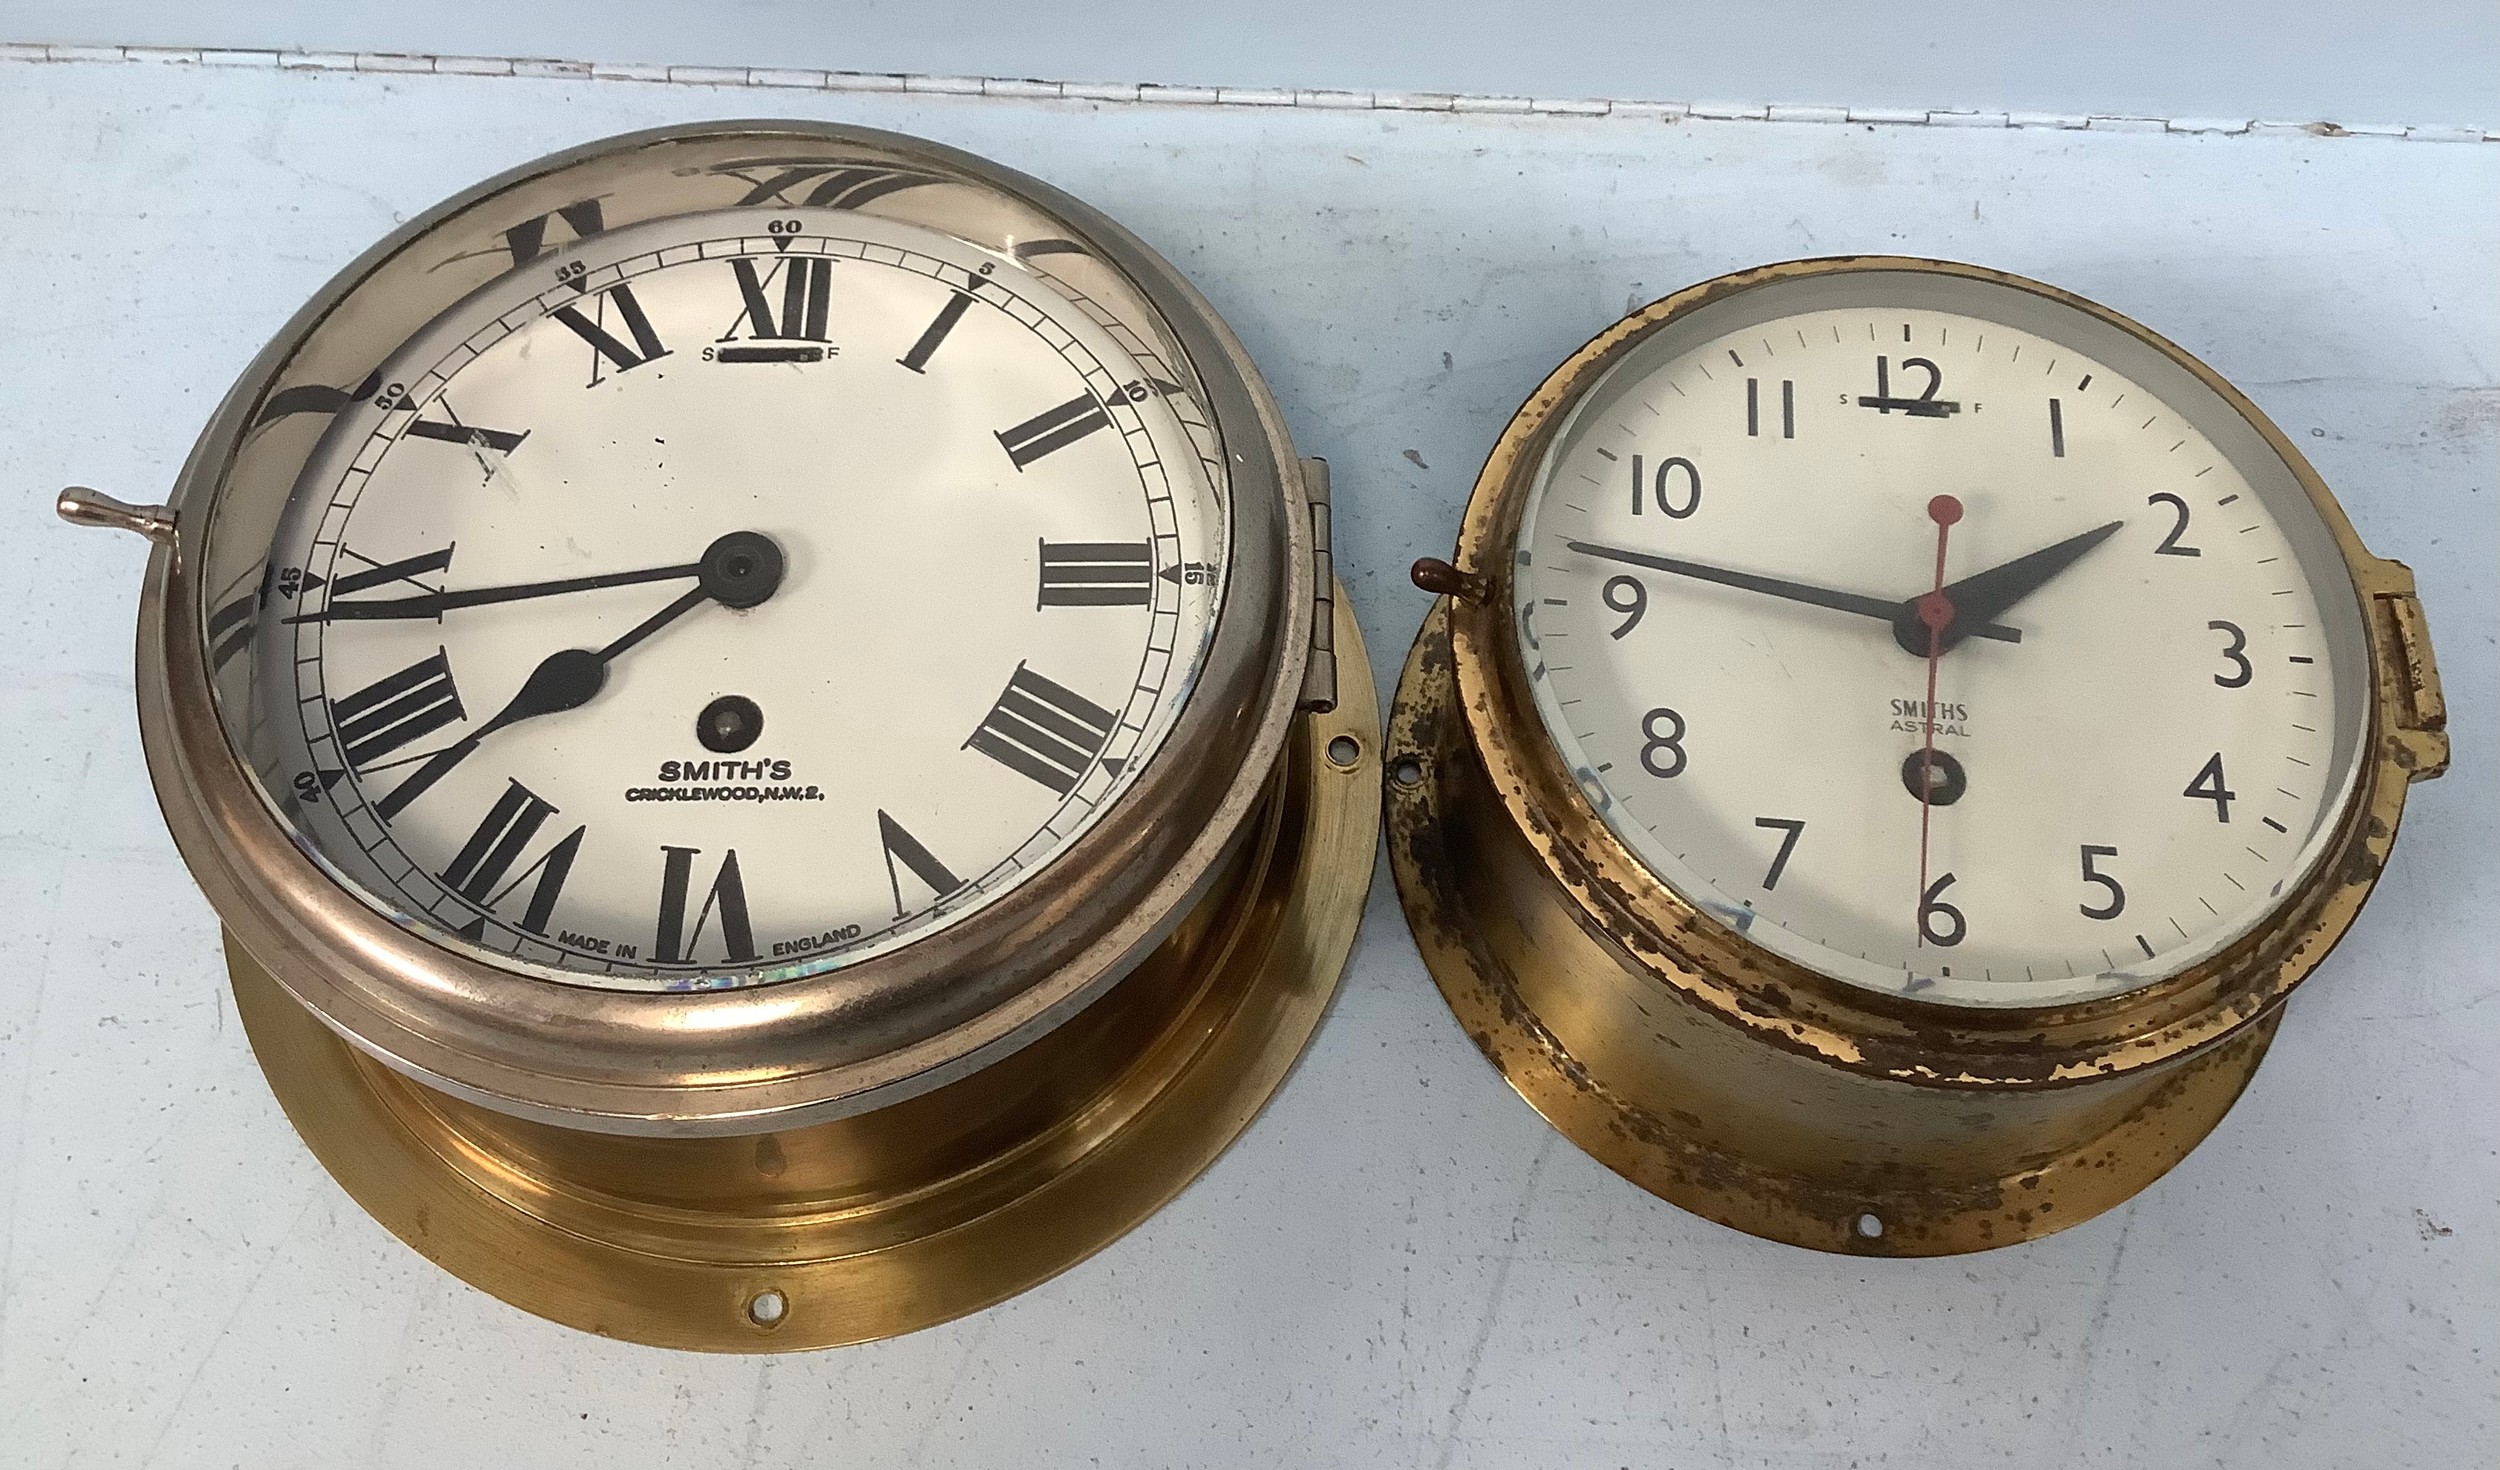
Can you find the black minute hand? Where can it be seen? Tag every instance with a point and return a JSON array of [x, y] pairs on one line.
[[435, 604], [740, 570], [1885, 608]]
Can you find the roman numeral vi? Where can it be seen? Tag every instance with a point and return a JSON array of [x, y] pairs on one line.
[[675, 941]]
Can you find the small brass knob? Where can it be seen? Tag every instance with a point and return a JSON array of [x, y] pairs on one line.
[[81, 506]]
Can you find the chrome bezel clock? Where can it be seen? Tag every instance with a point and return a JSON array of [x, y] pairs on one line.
[[1738, 1069], [1151, 975]]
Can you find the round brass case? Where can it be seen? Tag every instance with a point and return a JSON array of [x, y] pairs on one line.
[[1753, 1090], [888, 1221], [846, 1152], [826, 1044]]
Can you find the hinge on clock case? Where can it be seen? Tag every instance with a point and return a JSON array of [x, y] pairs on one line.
[[1319, 676], [2405, 639]]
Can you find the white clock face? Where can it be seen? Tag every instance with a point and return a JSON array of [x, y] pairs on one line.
[[1942, 638], [736, 596]]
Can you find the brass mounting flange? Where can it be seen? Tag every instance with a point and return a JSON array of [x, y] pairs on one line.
[[897, 1219]]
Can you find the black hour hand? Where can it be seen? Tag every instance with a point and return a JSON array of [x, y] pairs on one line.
[[740, 570], [1983, 595]]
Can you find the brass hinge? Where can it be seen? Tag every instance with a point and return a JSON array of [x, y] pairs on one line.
[[1319, 676], [2421, 710]]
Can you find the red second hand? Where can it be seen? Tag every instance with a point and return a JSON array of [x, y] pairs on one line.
[[1936, 611]]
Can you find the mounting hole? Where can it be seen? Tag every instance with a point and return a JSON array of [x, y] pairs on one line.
[[1407, 771], [767, 1308], [1870, 1226], [1344, 751]]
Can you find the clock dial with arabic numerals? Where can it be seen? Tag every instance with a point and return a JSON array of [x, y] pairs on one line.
[[735, 596], [1940, 637]]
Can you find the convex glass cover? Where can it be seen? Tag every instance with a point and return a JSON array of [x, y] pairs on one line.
[[1942, 638], [728, 596]]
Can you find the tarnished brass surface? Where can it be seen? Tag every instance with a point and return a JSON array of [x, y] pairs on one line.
[[892, 1220], [1749, 1088], [1767, 1140]]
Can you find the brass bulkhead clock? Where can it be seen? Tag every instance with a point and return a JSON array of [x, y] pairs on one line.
[[1895, 734], [757, 703]]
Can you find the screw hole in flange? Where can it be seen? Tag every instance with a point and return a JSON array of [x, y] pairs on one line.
[[1870, 1226], [1344, 752], [768, 1308], [1406, 770]]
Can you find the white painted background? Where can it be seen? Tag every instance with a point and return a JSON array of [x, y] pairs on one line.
[[2397, 61], [1400, 1265]]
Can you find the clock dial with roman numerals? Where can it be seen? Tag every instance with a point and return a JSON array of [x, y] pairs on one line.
[[1942, 637], [735, 596]]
